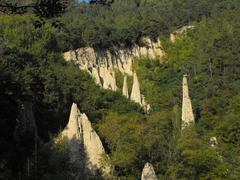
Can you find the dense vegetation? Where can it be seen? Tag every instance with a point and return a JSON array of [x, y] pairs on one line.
[[126, 21], [32, 69]]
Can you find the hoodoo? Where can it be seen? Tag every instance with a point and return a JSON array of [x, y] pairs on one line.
[[148, 172], [136, 94], [125, 87], [187, 112], [85, 145]]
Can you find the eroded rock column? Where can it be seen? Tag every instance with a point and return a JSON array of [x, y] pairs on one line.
[[86, 149], [187, 112], [136, 94], [72, 135]]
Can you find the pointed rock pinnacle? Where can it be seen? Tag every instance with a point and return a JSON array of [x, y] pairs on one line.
[[187, 112]]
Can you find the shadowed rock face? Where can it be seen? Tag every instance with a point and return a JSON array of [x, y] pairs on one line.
[[148, 172], [85, 145], [187, 112]]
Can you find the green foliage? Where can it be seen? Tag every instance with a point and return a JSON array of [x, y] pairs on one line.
[[32, 69], [54, 161], [134, 140], [126, 21]]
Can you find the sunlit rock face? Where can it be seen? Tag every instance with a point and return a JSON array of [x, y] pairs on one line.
[[108, 78], [121, 59], [187, 112], [74, 138], [148, 172], [136, 94], [125, 87], [86, 149], [100, 64]]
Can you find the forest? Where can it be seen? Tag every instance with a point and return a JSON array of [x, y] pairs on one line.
[[33, 72]]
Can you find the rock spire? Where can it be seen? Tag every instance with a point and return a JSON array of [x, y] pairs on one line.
[[136, 94], [125, 87], [148, 172], [187, 112], [86, 148]]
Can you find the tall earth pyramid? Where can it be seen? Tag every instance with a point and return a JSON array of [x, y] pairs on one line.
[[148, 172], [85, 146], [136, 94], [187, 112], [73, 137]]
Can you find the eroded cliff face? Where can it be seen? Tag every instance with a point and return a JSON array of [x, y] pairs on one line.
[[121, 59], [100, 64], [86, 149]]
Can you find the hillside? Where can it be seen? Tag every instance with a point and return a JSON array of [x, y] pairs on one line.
[[104, 95]]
